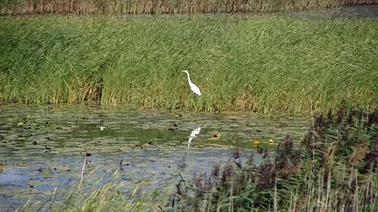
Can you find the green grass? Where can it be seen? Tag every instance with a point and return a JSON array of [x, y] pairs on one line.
[[93, 194], [262, 63]]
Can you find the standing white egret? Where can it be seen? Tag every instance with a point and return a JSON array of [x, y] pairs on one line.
[[194, 134], [194, 87]]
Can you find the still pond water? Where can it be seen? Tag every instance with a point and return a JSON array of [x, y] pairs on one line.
[[43, 148]]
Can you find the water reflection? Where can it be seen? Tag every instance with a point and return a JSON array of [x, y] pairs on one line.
[[195, 132]]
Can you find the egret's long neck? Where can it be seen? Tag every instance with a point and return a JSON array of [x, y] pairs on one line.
[[188, 77]]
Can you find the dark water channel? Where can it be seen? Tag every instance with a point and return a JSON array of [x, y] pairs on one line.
[[43, 148]]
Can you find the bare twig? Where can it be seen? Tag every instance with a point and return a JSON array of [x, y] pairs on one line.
[[81, 176]]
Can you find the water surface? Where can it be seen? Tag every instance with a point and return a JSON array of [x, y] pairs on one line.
[[43, 147]]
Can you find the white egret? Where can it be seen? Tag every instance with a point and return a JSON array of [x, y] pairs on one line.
[[194, 87], [194, 134]]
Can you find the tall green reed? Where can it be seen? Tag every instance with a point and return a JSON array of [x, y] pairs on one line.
[[267, 64]]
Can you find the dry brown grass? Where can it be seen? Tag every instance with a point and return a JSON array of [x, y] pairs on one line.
[[163, 6]]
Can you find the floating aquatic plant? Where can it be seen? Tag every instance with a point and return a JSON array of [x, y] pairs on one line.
[[215, 136]]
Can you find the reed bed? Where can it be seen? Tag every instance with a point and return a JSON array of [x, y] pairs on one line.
[[163, 6], [240, 63]]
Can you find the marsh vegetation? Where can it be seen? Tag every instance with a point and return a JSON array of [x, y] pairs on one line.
[[113, 155], [334, 168], [266, 64]]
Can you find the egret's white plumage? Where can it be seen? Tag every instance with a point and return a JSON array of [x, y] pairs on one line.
[[194, 134], [194, 87]]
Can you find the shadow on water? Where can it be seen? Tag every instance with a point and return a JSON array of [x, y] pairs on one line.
[[343, 12], [43, 148]]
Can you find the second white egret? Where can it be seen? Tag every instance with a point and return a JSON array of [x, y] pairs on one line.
[[194, 87]]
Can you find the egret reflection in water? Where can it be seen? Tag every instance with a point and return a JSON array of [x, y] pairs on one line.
[[195, 132]]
